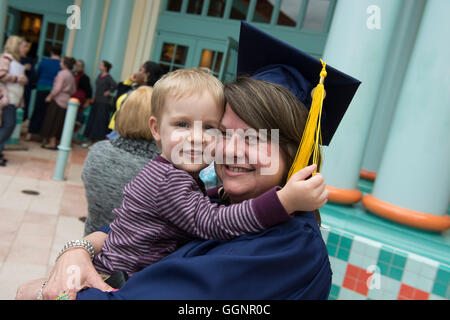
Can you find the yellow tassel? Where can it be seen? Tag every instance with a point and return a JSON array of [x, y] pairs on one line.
[[311, 143]]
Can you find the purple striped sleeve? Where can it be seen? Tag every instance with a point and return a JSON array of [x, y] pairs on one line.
[[269, 210]]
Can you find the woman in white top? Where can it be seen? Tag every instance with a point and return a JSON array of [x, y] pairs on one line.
[[12, 81]]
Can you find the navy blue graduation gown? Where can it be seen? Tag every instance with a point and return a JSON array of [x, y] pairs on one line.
[[287, 261]]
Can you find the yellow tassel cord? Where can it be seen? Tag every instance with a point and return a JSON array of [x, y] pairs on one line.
[[311, 141]]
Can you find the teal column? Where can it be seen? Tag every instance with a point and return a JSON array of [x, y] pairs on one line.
[[115, 35], [86, 39], [401, 47], [357, 44], [3, 14], [66, 140], [415, 171]]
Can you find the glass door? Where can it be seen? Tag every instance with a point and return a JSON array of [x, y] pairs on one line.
[[210, 54], [54, 34], [173, 52]]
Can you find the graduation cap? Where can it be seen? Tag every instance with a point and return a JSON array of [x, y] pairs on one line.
[[264, 57]]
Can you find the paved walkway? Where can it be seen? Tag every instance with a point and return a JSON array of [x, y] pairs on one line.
[[33, 228]]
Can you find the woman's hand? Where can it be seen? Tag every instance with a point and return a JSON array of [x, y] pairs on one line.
[[72, 272], [22, 79], [29, 290], [48, 98], [300, 194], [107, 93]]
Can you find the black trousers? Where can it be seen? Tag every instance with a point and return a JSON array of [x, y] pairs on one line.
[[40, 109]]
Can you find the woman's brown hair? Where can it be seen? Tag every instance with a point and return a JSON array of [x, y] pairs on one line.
[[264, 105], [69, 62]]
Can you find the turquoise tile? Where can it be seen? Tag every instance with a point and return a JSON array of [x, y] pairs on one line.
[[385, 256], [333, 238], [443, 276], [399, 261], [346, 243], [439, 289], [334, 292], [384, 268], [396, 273], [343, 254], [331, 250]]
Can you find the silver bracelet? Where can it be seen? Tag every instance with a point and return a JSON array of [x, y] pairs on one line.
[[83, 243], [39, 296]]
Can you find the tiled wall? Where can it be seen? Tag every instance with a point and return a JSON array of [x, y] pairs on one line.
[[366, 269]]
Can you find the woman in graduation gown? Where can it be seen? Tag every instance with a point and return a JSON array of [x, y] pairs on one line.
[[288, 261]]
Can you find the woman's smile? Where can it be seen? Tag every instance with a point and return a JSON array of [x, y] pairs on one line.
[[234, 170]]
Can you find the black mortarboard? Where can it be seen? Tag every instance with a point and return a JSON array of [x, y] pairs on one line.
[[264, 57]]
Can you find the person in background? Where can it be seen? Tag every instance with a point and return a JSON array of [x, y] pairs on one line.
[[111, 164], [28, 62], [97, 125], [147, 75], [12, 82], [83, 93], [47, 70], [58, 99]]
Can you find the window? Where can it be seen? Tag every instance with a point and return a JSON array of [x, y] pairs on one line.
[[263, 11], [289, 12], [174, 5], [239, 9], [316, 14], [212, 60], [195, 6], [216, 8], [54, 37], [173, 56]]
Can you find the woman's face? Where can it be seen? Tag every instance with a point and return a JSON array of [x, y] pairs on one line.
[[101, 67], [79, 66], [251, 164], [24, 47], [141, 76]]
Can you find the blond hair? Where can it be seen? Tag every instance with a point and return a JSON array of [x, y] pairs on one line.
[[12, 46], [183, 83], [132, 118]]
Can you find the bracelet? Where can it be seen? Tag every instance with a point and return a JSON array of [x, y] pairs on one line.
[[85, 244], [39, 296]]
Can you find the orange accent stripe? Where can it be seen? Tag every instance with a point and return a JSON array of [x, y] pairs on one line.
[[368, 175], [74, 100], [405, 216], [343, 196]]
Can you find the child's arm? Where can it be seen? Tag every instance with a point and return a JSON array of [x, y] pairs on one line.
[[193, 212]]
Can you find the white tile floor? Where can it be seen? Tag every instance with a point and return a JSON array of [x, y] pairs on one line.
[[33, 228]]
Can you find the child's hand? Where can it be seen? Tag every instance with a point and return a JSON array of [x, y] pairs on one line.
[[300, 194]]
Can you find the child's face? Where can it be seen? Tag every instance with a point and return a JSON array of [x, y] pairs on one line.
[[184, 131]]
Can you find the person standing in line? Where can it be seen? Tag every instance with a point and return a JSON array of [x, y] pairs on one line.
[[97, 125], [12, 82], [83, 93], [47, 70], [28, 62], [58, 100], [147, 75]]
